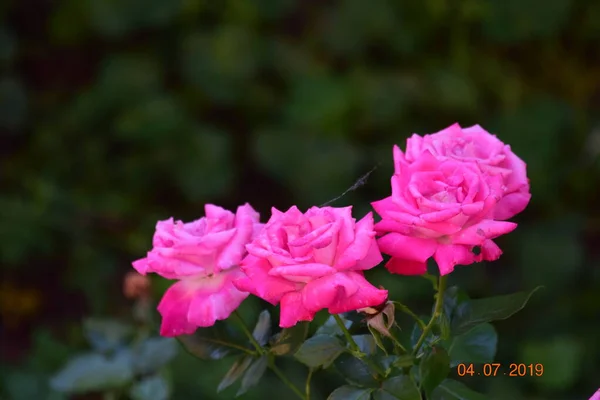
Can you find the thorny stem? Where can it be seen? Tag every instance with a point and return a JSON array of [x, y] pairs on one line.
[[271, 362], [437, 313]]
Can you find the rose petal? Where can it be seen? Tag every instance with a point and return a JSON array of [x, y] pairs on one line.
[[293, 310], [367, 295], [447, 256], [323, 292], [406, 267], [406, 247]]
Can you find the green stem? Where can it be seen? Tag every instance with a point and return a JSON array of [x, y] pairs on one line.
[[285, 380], [307, 388], [242, 324], [262, 352], [409, 312], [354, 347], [437, 313]]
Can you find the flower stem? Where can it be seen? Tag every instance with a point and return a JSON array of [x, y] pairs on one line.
[[356, 352], [353, 346], [437, 313], [285, 380], [307, 388], [242, 324], [262, 352]]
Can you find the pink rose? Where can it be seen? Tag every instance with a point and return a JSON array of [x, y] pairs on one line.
[[596, 396], [475, 144], [439, 207], [308, 262], [204, 256]]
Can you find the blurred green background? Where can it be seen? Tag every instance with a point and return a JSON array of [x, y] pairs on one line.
[[117, 113]]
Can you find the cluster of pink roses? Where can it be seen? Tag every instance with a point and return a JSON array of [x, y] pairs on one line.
[[451, 194]]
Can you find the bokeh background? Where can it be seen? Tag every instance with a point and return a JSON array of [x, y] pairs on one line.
[[117, 113]]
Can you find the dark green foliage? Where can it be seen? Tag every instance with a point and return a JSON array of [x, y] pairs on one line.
[[115, 114]]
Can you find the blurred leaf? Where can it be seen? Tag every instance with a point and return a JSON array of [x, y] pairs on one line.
[[235, 372], [348, 392], [511, 20], [209, 343], [492, 309], [253, 374], [20, 384], [262, 330], [126, 78], [204, 166], [366, 343], [68, 23], [319, 103], [155, 119], [555, 247], [319, 350], [355, 371], [289, 340], [434, 368], [114, 18], [221, 62], [94, 372], [315, 169], [153, 353], [454, 390], [477, 346], [151, 388], [561, 359], [399, 387], [331, 327], [106, 334], [13, 104], [7, 45]]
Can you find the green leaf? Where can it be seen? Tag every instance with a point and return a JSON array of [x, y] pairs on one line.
[[152, 388], [476, 346], [404, 361], [319, 350], [457, 305], [290, 339], [450, 389], [434, 368], [331, 327], [210, 343], [153, 353], [253, 375], [366, 343], [262, 330], [355, 371], [348, 392], [400, 387], [561, 358], [106, 334], [93, 372], [492, 309], [235, 372]]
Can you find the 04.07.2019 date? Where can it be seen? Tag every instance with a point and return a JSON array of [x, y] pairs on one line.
[[497, 369]]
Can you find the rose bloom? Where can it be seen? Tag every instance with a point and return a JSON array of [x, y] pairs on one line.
[[204, 256], [439, 207], [312, 261], [476, 145], [596, 396]]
